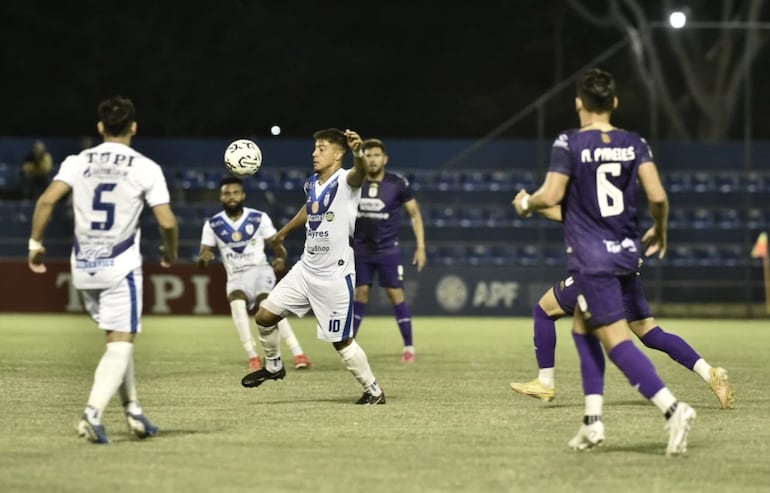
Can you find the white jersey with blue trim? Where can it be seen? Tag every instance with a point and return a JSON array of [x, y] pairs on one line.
[[332, 208], [241, 243], [110, 184]]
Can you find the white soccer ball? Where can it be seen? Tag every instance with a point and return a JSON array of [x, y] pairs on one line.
[[243, 157]]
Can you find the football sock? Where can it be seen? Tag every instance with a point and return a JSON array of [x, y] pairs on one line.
[[592, 363], [702, 368], [359, 310], [594, 405], [127, 389], [284, 328], [637, 368], [545, 338], [546, 377], [357, 363], [673, 345], [664, 400], [243, 326], [404, 321], [270, 338], [109, 374]]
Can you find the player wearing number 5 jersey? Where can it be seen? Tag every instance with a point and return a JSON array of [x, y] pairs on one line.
[[324, 278], [110, 184], [593, 175]]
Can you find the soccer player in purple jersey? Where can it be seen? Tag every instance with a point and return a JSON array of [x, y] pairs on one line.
[[561, 299], [593, 174], [376, 240]]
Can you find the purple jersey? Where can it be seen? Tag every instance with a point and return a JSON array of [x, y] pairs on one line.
[[379, 215], [601, 227]]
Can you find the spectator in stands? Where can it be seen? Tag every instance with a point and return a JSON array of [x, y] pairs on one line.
[[110, 184], [239, 233], [376, 240], [36, 171], [593, 174]]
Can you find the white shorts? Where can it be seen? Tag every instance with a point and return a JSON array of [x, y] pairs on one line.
[[119, 307], [252, 281], [331, 300]]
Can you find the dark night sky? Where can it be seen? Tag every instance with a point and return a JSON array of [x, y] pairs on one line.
[[397, 68]]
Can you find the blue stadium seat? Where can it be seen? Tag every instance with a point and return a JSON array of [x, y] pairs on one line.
[[703, 219], [728, 219]]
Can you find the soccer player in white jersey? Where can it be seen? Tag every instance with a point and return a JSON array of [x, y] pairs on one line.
[[324, 278], [239, 233], [110, 184]]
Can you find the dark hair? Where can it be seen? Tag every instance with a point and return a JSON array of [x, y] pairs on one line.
[[230, 180], [333, 135], [370, 143], [116, 114], [596, 88]]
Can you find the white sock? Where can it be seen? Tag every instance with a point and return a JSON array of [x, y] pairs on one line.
[[546, 377], [357, 363], [663, 399], [127, 389], [284, 327], [270, 338], [243, 326], [409, 349], [109, 375], [702, 368], [594, 404]]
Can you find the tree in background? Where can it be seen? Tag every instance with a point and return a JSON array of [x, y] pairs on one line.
[[699, 74]]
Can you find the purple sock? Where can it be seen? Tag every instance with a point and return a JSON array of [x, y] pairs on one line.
[[545, 338], [673, 345], [591, 363], [359, 309], [404, 321], [637, 368]]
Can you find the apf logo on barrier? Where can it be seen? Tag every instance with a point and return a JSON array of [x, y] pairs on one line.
[[452, 294]]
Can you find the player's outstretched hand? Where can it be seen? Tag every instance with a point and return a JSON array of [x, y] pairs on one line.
[[354, 140], [654, 243], [204, 258], [419, 259], [35, 261], [517, 203], [168, 258]]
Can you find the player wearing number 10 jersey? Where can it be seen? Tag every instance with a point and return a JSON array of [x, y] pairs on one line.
[[110, 184]]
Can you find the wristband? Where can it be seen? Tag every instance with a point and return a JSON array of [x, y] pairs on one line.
[[35, 245], [525, 203]]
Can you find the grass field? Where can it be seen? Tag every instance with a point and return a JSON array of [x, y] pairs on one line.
[[451, 422]]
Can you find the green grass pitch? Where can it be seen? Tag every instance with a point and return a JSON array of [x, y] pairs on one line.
[[451, 422]]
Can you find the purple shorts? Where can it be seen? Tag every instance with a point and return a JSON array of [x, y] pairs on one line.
[[608, 298], [388, 269]]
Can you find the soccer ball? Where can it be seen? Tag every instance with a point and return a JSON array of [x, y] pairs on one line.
[[243, 157]]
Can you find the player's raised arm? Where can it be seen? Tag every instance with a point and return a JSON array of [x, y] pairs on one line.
[[299, 219], [357, 174]]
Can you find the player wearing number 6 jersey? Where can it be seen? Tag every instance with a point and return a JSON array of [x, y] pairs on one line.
[[324, 278], [593, 174], [110, 184]]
